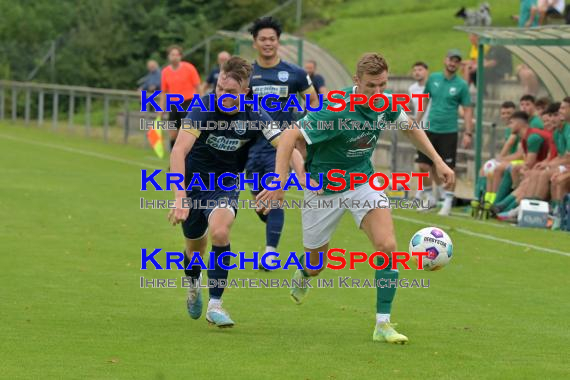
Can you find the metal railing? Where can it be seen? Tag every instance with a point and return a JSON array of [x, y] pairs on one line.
[[37, 95]]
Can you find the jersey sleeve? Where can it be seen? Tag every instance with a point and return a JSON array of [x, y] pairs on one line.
[[303, 80], [397, 115], [567, 136], [427, 88], [310, 126], [271, 130], [465, 99], [164, 82], [192, 121], [194, 76], [534, 142], [318, 81]]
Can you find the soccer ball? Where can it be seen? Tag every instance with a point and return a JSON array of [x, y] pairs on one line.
[[489, 167], [436, 243]]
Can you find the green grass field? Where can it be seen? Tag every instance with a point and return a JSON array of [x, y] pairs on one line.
[[404, 31], [71, 232]]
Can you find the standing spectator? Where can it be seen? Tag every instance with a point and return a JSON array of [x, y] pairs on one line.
[[498, 64], [273, 75], [420, 74], [470, 66], [151, 81], [447, 91], [317, 79], [210, 84], [179, 77], [528, 13]]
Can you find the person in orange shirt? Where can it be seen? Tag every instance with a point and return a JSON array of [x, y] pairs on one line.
[[182, 78]]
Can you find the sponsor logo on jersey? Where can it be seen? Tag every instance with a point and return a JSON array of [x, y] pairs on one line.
[[281, 91], [225, 143]]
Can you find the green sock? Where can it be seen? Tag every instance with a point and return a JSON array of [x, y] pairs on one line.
[[512, 205], [386, 292], [302, 261], [505, 186], [554, 205], [505, 202], [480, 187]]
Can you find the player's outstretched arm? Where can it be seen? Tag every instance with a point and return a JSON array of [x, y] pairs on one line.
[[183, 146], [419, 138]]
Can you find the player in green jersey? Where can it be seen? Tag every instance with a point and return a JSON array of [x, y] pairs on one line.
[[351, 150]]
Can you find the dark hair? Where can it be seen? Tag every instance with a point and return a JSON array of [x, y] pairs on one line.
[[508, 104], [420, 63], [312, 61], [520, 115], [175, 47], [238, 69], [528, 98], [543, 102], [265, 23], [566, 100], [552, 109]]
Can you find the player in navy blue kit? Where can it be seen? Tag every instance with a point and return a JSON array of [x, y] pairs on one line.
[[272, 75], [216, 151]]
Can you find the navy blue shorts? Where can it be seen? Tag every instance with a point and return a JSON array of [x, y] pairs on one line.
[[262, 164], [196, 226]]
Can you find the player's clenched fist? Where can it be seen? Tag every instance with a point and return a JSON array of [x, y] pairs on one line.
[[445, 173], [178, 214]]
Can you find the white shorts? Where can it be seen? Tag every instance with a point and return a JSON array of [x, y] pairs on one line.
[[320, 221]]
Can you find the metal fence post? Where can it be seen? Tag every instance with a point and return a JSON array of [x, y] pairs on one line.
[[88, 115], [27, 106], [1, 102], [71, 109], [479, 111], [14, 103], [55, 109], [105, 118], [41, 107], [126, 110]]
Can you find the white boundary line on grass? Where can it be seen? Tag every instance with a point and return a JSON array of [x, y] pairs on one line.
[[81, 151], [293, 195], [491, 237], [476, 234]]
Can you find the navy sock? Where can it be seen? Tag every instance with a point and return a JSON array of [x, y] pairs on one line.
[[262, 217], [194, 272], [218, 273], [275, 221]]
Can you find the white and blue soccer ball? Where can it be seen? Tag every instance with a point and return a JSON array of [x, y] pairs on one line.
[[436, 243]]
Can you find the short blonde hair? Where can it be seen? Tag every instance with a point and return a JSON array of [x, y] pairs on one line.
[[372, 64]]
